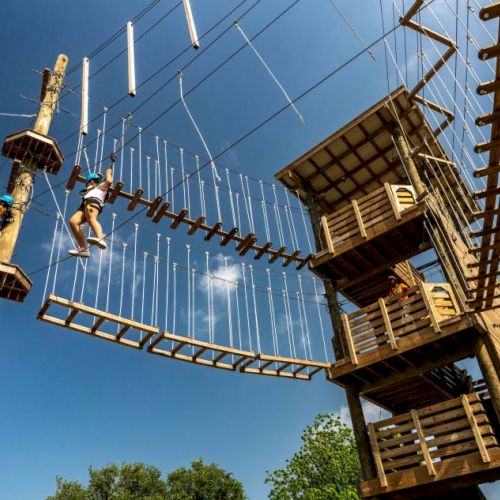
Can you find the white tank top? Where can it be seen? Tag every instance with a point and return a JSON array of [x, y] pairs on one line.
[[98, 192]]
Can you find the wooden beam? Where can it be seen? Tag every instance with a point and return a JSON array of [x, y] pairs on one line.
[[372, 433], [392, 200], [387, 323], [423, 443], [429, 304], [359, 219], [490, 11], [327, 235], [475, 429], [489, 52], [349, 341]]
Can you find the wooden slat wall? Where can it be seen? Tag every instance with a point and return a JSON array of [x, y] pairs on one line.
[[444, 431]]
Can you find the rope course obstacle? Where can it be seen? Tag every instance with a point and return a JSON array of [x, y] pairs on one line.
[[398, 180]]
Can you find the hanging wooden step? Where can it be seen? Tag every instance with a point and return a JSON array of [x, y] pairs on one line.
[[279, 366], [96, 323], [490, 11], [489, 52], [202, 353], [433, 450], [14, 283], [156, 210]]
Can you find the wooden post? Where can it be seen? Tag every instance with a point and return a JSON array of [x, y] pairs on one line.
[[24, 181], [353, 400], [411, 168]]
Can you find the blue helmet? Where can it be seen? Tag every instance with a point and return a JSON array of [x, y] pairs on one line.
[[8, 200], [93, 177]]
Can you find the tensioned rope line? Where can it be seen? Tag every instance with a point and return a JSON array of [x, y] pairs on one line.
[[251, 131]]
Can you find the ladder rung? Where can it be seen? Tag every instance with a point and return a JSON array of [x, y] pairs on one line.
[[487, 119], [488, 87], [483, 147], [229, 236], [213, 230], [154, 206], [161, 212], [179, 218], [487, 192], [135, 199], [490, 11], [178, 347], [277, 255], [263, 250], [489, 52]]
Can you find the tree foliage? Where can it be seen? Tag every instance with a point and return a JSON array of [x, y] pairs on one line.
[[203, 482], [143, 482], [326, 466]]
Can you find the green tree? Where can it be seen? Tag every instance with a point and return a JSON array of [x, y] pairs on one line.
[[113, 482], [203, 482], [325, 468]]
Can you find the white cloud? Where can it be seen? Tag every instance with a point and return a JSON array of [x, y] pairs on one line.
[[372, 413]]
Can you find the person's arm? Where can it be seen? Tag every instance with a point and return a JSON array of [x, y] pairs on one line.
[[109, 173]]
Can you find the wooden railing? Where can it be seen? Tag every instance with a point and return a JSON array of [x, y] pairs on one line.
[[429, 439], [389, 320], [360, 217]]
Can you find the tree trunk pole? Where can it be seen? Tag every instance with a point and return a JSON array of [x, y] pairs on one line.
[[353, 399], [24, 181]]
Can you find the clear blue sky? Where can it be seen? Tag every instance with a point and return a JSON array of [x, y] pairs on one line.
[[69, 401]]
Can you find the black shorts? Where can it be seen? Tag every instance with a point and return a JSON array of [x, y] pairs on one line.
[[90, 202]]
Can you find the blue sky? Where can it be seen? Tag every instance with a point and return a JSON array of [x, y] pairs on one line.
[[71, 401]]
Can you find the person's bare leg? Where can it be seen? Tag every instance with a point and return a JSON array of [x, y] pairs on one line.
[[75, 222], [91, 215]]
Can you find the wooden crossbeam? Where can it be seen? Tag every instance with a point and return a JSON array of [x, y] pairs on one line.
[[372, 434], [180, 217], [359, 219], [348, 337], [154, 206], [161, 212], [489, 52], [488, 88], [387, 323], [392, 200], [429, 304], [229, 236], [490, 11], [135, 199], [279, 253]]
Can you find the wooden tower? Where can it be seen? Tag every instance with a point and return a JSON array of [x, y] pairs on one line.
[[377, 194]]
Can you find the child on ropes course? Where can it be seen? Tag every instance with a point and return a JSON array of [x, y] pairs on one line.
[[94, 196], [6, 203]]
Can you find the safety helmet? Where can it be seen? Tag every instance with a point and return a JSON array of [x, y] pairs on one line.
[[8, 200], [93, 177]]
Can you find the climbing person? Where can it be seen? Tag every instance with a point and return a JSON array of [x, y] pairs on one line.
[[397, 288], [94, 196], [6, 204]]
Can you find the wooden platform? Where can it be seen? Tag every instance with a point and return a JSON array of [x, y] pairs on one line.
[[228, 358], [28, 144], [14, 284], [159, 209], [96, 323], [369, 235], [402, 337], [433, 449]]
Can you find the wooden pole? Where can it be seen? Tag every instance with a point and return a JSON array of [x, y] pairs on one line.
[[24, 181], [190, 21], [411, 168], [353, 399], [84, 119], [131, 59]]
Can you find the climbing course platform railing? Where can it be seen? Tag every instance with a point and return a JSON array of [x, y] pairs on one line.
[[370, 233], [91, 321], [402, 336], [159, 208], [441, 447]]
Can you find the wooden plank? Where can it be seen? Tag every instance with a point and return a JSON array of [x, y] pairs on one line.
[[429, 304], [376, 455], [279, 253], [213, 231], [229, 236], [392, 201], [71, 316], [475, 429], [359, 219], [154, 206], [328, 236], [135, 199], [180, 217], [423, 444], [161, 212], [490, 11], [295, 361], [348, 338], [387, 323]]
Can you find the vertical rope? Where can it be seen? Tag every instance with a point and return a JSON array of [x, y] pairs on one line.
[[134, 270], [231, 197], [145, 256], [203, 204], [293, 233], [278, 218], [157, 165], [207, 267], [188, 252], [317, 295], [122, 142], [183, 174], [75, 276], [264, 211], [228, 298], [98, 286], [198, 174], [174, 273], [302, 330], [49, 267], [140, 155], [271, 313], [306, 227], [306, 321], [238, 317], [287, 321], [173, 190], [132, 169], [247, 310], [288, 316], [193, 289], [250, 203], [103, 137], [250, 227], [97, 146], [255, 310], [113, 217], [238, 210], [148, 174], [60, 241], [122, 280], [154, 301], [168, 284], [166, 168]]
